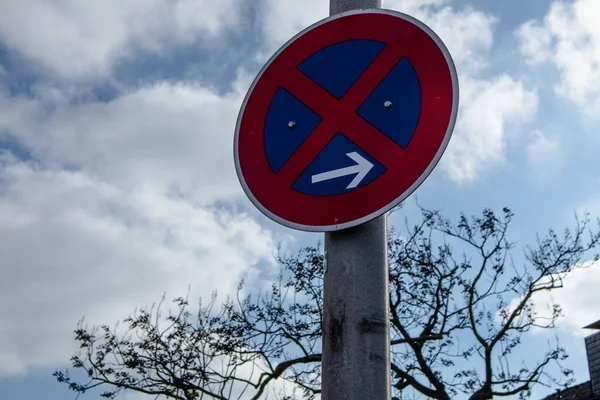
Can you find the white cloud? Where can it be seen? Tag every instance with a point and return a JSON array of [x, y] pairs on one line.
[[118, 204], [117, 207], [169, 136], [282, 19], [492, 108], [578, 298], [490, 113], [80, 39], [569, 39], [544, 152], [535, 42], [467, 32], [73, 245]]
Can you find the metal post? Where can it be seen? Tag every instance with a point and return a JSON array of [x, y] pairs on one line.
[[340, 6], [356, 330], [356, 338]]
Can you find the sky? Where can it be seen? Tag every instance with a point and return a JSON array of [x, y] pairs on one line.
[[117, 179]]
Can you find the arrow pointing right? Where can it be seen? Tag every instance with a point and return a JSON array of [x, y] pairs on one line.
[[361, 169]]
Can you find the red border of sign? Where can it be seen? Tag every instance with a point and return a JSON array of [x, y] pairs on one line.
[[406, 168]]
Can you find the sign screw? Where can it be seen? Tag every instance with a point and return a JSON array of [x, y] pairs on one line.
[[387, 104], [291, 124]]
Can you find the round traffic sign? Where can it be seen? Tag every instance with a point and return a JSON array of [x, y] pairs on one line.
[[346, 120]]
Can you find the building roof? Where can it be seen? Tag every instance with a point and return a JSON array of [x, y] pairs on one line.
[[595, 325], [580, 392]]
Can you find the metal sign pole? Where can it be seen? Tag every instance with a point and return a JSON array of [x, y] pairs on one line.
[[340, 6], [356, 330]]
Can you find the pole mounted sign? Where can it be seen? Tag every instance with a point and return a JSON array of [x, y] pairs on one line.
[[346, 120]]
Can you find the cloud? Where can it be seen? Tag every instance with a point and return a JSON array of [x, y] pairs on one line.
[[568, 39], [75, 245], [106, 205], [535, 42], [282, 19], [490, 113], [544, 152], [167, 135], [75, 39], [578, 299], [492, 108], [467, 32]]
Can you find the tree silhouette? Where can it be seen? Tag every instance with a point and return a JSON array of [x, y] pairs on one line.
[[460, 306]]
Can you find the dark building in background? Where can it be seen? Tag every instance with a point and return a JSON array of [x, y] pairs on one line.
[[589, 390], [592, 345]]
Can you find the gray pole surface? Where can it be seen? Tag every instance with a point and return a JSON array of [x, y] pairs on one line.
[[356, 338], [340, 6], [356, 328]]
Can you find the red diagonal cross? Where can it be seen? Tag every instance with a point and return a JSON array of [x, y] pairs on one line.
[[340, 116]]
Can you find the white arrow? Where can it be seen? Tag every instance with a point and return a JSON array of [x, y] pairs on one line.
[[361, 169]]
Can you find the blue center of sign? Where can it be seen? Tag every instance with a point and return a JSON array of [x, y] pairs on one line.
[[393, 108], [341, 166]]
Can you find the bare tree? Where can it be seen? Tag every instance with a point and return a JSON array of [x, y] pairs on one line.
[[479, 302], [457, 317], [230, 354]]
